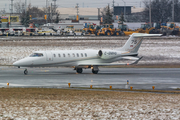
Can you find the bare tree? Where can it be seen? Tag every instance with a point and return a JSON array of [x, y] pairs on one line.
[[161, 10], [52, 13], [177, 10], [135, 17], [3, 11], [19, 6], [35, 12]]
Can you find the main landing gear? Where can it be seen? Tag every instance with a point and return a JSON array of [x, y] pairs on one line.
[[95, 70], [25, 72], [79, 70]]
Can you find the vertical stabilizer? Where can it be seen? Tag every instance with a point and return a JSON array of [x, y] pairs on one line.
[[134, 42]]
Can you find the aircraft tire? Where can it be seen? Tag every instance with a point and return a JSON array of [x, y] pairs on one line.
[[25, 72], [94, 71], [79, 70]]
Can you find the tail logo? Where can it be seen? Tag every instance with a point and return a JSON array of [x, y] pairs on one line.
[[133, 41]]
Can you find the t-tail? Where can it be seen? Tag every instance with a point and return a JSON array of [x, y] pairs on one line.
[[134, 42]]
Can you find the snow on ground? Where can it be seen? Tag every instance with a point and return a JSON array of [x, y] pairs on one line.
[[154, 51], [136, 106]]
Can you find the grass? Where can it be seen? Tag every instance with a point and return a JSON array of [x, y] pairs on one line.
[[176, 91], [77, 103], [66, 94]]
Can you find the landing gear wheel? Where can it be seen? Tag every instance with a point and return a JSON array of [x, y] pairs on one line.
[[25, 72], [94, 71], [79, 70]]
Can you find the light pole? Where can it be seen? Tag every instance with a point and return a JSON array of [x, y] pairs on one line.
[[46, 9], [150, 13], [124, 9], [173, 11]]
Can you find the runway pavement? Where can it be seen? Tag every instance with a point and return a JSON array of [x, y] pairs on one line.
[[139, 78]]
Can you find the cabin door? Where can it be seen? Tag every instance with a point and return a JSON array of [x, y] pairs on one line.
[[49, 56]]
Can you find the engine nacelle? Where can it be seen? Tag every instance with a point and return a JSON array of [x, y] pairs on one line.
[[100, 53]]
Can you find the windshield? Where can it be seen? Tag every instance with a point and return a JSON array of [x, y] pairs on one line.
[[111, 26], [36, 55], [92, 27], [123, 27], [171, 25], [144, 26]]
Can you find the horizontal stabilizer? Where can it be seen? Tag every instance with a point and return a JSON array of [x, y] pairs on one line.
[[136, 62], [130, 58], [145, 35]]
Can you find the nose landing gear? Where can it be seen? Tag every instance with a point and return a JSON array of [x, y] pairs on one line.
[[25, 72]]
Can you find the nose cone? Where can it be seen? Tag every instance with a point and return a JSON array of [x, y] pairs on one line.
[[22, 62], [17, 63]]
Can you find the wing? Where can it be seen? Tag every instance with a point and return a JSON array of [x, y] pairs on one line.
[[112, 64]]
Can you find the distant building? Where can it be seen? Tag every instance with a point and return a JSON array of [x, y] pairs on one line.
[[68, 15], [118, 10]]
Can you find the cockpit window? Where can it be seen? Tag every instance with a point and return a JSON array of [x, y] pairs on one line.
[[36, 55]]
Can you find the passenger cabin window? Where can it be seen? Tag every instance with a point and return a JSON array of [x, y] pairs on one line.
[[73, 55], [54, 55], [59, 55], [64, 55], [36, 55], [77, 55], [85, 55], [68, 55], [81, 55]]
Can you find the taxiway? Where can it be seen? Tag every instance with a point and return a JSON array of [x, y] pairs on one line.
[[139, 78]]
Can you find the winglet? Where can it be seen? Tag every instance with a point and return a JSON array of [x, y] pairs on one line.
[[136, 62]]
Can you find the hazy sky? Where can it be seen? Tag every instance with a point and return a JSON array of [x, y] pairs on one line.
[[72, 3]]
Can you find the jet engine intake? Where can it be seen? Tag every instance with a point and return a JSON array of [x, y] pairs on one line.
[[100, 53]]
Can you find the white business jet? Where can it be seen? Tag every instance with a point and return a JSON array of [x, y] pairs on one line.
[[82, 59]]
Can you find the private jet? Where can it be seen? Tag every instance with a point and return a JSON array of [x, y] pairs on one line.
[[83, 59]]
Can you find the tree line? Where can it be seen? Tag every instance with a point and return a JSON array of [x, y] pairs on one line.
[[161, 11], [34, 12]]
